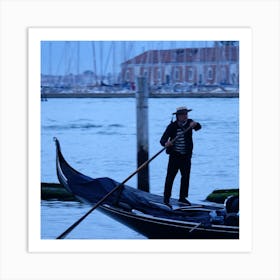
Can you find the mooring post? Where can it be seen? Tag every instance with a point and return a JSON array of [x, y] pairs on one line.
[[142, 96]]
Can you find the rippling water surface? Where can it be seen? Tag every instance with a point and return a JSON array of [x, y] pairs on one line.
[[98, 138]]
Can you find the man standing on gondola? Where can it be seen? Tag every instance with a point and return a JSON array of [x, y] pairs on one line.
[[180, 152]]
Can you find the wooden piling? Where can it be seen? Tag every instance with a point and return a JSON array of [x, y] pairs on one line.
[[142, 95]]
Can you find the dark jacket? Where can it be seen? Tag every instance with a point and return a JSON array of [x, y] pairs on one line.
[[171, 131]]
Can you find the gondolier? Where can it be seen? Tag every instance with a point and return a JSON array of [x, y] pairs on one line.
[[180, 152]]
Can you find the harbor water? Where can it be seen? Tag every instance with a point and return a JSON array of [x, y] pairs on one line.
[[98, 138]]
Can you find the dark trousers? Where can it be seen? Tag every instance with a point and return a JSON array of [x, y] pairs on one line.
[[178, 162]]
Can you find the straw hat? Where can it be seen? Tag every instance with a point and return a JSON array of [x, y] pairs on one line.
[[182, 110]]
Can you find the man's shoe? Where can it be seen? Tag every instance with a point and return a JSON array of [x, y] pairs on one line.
[[184, 200], [166, 202]]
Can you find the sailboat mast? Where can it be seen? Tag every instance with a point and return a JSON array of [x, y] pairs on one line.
[[78, 64], [94, 61], [101, 60], [114, 63], [50, 59], [78, 58]]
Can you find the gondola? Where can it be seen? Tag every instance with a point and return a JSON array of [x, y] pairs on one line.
[[145, 213]]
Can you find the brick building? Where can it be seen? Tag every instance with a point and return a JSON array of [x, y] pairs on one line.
[[217, 65]]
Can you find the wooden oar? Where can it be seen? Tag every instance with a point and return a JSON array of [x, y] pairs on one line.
[[67, 231]]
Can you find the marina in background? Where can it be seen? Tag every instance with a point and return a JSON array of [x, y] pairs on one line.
[[172, 69]]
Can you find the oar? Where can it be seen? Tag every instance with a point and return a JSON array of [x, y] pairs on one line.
[[67, 231]]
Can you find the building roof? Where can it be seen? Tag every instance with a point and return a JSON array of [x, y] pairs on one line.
[[181, 55]]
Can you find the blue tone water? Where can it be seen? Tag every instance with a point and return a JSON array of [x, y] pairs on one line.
[[98, 138]]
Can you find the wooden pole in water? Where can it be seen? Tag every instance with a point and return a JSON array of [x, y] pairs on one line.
[[142, 96]]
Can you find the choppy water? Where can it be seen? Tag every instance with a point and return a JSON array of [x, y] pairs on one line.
[[98, 138]]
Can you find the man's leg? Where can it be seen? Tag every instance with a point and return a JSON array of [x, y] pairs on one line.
[[185, 169], [172, 170]]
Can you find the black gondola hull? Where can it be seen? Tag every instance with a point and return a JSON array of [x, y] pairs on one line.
[[160, 228], [142, 211]]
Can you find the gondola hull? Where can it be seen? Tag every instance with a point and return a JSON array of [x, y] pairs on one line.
[[161, 228], [144, 212]]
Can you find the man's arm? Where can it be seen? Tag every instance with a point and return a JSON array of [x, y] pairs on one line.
[[195, 125], [165, 136]]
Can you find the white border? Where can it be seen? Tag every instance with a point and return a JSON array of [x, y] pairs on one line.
[[243, 35], [262, 262]]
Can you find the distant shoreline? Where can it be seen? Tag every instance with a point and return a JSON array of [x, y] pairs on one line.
[[153, 95]]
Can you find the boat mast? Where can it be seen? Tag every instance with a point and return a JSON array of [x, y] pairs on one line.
[[50, 62], [159, 72], [78, 65], [101, 60], [114, 80], [94, 62]]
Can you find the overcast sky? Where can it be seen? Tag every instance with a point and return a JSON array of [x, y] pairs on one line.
[[64, 57]]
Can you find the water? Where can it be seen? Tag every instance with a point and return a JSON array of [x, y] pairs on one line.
[[98, 138]]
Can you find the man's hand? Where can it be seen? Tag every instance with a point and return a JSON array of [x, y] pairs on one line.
[[193, 124], [168, 144]]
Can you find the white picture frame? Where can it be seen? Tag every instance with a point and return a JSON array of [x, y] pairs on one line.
[[243, 35]]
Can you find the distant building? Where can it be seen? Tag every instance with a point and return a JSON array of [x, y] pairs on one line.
[[218, 65]]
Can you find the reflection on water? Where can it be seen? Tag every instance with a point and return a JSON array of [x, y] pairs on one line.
[[57, 216]]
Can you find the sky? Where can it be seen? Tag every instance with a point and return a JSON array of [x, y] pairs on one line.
[[65, 57]]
